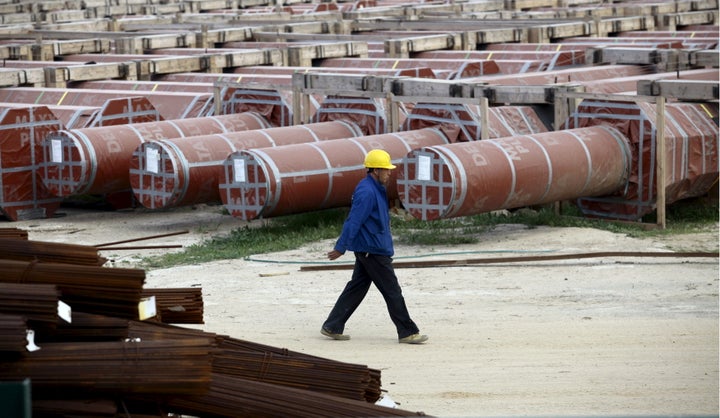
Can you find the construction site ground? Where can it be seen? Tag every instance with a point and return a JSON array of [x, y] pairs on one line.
[[587, 337]]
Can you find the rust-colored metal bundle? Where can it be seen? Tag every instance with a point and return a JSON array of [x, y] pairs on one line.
[[106, 362], [89, 327], [14, 233], [236, 397], [180, 366], [178, 305], [35, 302], [13, 331], [52, 252], [86, 288]]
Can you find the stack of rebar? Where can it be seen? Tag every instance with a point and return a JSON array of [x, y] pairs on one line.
[[13, 331], [178, 305], [53, 252], [99, 359], [86, 288], [14, 233], [37, 303]]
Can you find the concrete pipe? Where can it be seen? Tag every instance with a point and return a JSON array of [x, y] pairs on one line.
[[23, 195], [96, 160], [469, 178], [299, 178], [184, 171]]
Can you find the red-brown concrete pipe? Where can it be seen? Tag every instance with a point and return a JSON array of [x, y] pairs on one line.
[[97, 160], [299, 178], [184, 171], [475, 177], [23, 195]]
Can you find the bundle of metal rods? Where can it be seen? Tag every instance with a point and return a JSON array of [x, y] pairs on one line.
[[334, 378], [365, 381], [36, 302], [178, 305], [109, 360], [88, 327], [13, 333], [181, 366], [52, 252], [14, 233], [257, 399], [92, 289]]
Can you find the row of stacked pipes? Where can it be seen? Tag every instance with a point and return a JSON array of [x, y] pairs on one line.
[[259, 170]]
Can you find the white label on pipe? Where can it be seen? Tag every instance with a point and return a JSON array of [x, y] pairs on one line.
[[152, 156], [56, 150], [423, 168], [239, 170]]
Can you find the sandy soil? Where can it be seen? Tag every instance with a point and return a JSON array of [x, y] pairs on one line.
[[621, 336]]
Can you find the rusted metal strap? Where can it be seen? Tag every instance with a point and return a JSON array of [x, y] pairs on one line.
[[532, 258]]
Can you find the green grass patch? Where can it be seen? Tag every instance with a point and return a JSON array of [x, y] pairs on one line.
[[289, 232]]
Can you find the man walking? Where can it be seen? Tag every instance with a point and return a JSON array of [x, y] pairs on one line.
[[366, 232]]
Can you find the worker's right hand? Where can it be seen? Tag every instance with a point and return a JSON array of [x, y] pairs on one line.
[[334, 254]]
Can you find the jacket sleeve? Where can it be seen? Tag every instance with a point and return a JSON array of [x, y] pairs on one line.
[[363, 201]]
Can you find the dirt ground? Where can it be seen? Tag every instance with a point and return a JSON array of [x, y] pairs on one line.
[[590, 337]]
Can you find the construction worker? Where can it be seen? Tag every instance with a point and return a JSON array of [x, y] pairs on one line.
[[366, 232]]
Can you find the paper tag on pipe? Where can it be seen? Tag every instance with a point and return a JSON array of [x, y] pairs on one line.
[[239, 170], [147, 308], [56, 151], [152, 157], [423, 168], [64, 311], [30, 337]]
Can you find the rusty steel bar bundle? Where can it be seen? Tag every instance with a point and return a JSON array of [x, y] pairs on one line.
[[334, 378], [13, 333], [249, 398], [88, 327], [178, 305], [371, 387], [524, 259], [265, 182], [14, 233], [36, 302], [185, 171], [96, 160], [475, 177], [180, 366], [92, 289], [50, 252]]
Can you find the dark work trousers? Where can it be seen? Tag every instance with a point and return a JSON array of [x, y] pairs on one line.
[[378, 269]]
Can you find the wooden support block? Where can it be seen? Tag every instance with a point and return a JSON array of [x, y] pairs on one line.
[[81, 46], [404, 47], [508, 35], [691, 90], [64, 16], [179, 40], [304, 55], [705, 58], [17, 18]]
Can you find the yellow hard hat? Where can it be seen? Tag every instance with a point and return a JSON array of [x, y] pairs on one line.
[[378, 158]]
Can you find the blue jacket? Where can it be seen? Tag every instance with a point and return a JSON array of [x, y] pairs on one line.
[[367, 227]]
